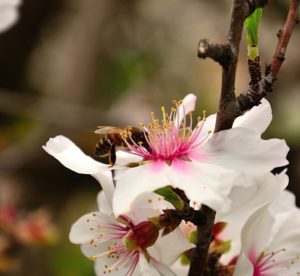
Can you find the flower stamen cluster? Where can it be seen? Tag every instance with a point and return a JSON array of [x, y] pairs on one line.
[[168, 139], [124, 243], [266, 263]]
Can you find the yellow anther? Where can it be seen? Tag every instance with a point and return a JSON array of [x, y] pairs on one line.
[[163, 112]]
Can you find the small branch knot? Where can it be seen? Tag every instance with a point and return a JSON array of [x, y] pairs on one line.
[[220, 53], [256, 91]]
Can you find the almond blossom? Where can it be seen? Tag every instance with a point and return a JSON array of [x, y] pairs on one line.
[[204, 165], [271, 240], [129, 245], [228, 224], [8, 13], [245, 201]]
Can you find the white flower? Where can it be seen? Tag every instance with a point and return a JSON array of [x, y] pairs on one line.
[[271, 240], [245, 201], [9, 13], [129, 245], [203, 165], [67, 153]]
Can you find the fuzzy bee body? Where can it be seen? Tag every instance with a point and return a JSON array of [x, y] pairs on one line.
[[112, 139]]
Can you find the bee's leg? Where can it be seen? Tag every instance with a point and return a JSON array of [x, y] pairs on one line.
[[112, 156]]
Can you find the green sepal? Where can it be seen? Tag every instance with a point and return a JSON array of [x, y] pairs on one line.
[[251, 25], [193, 237], [169, 195], [184, 260], [221, 247]]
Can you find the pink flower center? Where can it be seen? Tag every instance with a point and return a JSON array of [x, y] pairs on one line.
[[168, 139], [119, 247], [272, 263]]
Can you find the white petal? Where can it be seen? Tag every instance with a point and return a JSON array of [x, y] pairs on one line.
[[138, 214], [257, 118], [96, 251], [146, 269], [123, 158], [243, 267], [208, 125], [103, 204], [279, 233], [152, 201], [286, 232], [284, 203], [245, 200], [135, 182], [80, 230], [102, 263], [243, 150], [256, 232], [87, 227], [204, 183], [107, 184], [207, 128], [9, 13], [10, 3], [170, 247], [180, 269], [68, 154], [187, 106], [161, 268]]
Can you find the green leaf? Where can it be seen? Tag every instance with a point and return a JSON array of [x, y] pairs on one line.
[[169, 195], [251, 25]]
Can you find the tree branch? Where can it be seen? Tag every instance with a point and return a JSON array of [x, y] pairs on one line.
[[218, 52], [204, 234], [284, 37], [227, 56], [264, 86]]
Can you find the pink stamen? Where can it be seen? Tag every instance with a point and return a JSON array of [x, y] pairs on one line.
[[133, 265], [115, 235], [267, 264], [168, 140]]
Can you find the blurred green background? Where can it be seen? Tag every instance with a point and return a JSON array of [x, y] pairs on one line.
[[68, 66]]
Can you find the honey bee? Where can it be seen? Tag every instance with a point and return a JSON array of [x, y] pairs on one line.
[[112, 139]]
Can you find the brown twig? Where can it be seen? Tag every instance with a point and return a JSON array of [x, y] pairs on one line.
[[204, 235], [284, 37], [227, 56], [218, 52]]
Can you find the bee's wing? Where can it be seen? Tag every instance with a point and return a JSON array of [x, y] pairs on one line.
[[101, 129], [104, 130]]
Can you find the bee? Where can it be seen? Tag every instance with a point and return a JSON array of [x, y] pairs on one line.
[[113, 138]]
